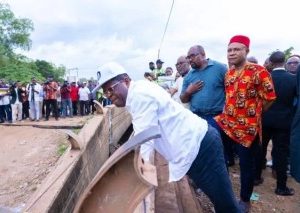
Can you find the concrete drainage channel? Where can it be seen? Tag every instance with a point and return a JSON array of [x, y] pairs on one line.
[[78, 166], [86, 179]]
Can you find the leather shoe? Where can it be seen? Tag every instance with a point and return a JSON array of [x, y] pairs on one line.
[[285, 191]]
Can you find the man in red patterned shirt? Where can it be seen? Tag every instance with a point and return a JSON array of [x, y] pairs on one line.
[[50, 89], [249, 90]]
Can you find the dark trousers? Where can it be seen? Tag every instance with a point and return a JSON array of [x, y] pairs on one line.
[[209, 173], [228, 150], [281, 140], [5, 113], [266, 137], [84, 107], [2, 117], [92, 106], [25, 110], [53, 104], [74, 106], [247, 164]]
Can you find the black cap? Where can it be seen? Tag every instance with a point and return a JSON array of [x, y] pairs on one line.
[[158, 61]]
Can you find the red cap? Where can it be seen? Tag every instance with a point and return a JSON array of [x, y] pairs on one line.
[[240, 39]]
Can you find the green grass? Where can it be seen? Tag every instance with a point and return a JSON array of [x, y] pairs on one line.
[[76, 131], [61, 149]]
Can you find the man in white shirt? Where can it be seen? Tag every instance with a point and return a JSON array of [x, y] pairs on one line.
[[187, 142], [34, 91], [84, 99], [5, 108], [183, 67]]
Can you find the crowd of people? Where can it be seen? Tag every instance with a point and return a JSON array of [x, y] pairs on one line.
[[37, 100], [244, 104]]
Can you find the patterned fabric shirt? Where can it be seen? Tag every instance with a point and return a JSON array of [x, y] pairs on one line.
[[51, 90], [245, 92]]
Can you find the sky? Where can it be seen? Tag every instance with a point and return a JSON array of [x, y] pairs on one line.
[[85, 34]]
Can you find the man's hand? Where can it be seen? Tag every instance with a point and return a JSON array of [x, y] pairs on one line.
[[194, 87], [191, 89]]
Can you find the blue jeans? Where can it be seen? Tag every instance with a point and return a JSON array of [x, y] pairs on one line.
[[209, 173], [66, 104]]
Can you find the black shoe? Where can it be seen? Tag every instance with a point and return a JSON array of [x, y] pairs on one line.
[[258, 181], [46, 119], [285, 191]]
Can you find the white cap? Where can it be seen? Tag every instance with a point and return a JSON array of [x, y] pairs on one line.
[[109, 71]]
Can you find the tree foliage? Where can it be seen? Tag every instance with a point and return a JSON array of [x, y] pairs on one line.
[[15, 33], [46, 69]]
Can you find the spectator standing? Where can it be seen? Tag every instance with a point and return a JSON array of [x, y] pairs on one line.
[[92, 96], [292, 63], [58, 98], [84, 93], [42, 102], [159, 71], [276, 122], [74, 97], [5, 108], [50, 89], [183, 67], [25, 102], [203, 86], [295, 135], [151, 66], [249, 89], [34, 91], [16, 102], [66, 102]]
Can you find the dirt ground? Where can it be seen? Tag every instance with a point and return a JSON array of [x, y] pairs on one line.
[[267, 201], [27, 155]]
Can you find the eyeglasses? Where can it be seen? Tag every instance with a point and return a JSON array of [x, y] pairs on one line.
[[110, 89], [192, 56], [293, 62], [180, 63]]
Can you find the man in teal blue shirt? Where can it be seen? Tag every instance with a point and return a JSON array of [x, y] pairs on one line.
[[203, 86]]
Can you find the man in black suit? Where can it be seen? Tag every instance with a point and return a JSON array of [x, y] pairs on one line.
[[295, 136], [277, 120], [16, 101]]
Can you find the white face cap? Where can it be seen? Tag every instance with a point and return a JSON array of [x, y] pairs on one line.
[[109, 71]]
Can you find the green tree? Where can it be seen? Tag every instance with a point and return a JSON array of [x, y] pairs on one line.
[[21, 71], [46, 69], [14, 32], [288, 52]]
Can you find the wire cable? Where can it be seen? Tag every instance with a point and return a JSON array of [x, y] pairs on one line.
[[166, 27]]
